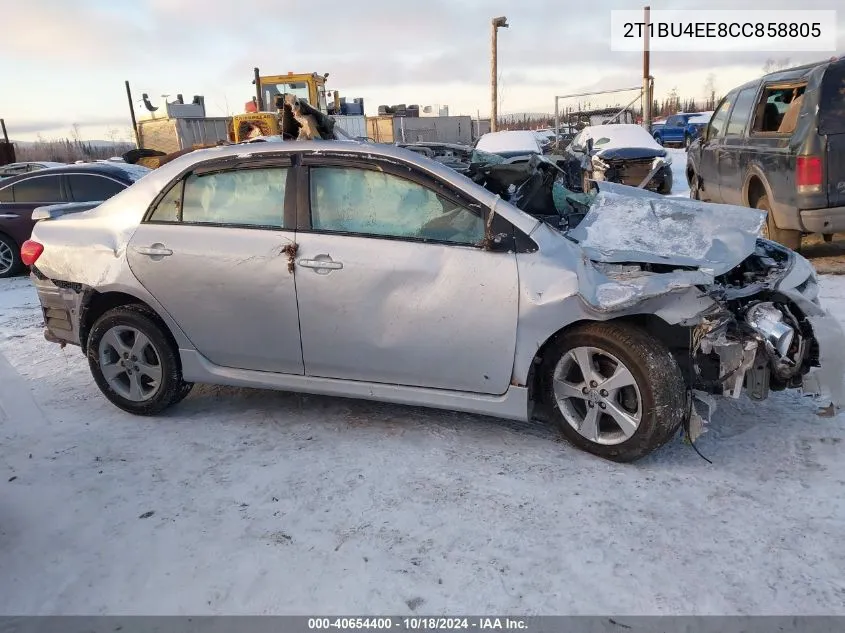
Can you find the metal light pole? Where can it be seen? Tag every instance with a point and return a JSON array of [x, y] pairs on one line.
[[501, 22], [647, 85]]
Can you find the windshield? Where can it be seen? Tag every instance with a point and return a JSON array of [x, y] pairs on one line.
[[299, 89]]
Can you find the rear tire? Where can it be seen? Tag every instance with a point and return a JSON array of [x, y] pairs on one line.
[[644, 400], [787, 237], [10, 257], [135, 362]]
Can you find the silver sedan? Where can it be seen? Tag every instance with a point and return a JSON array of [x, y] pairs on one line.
[[369, 271]]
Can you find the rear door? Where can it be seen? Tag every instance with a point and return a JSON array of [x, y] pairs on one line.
[[711, 145], [394, 286], [832, 124], [212, 251]]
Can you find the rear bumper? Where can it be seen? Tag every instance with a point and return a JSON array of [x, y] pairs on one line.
[[60, 307], [830, 220]]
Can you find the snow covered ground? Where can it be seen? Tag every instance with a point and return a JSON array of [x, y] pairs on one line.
[[680, 188], [244, 501]]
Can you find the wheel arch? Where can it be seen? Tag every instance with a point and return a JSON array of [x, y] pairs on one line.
[[95, 303], [755, 186], [676, 338]]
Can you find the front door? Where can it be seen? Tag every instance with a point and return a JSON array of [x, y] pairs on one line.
[[393, 286], [711, 147], [212, 253]]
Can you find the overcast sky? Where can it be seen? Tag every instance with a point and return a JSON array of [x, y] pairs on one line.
[[64, 61]]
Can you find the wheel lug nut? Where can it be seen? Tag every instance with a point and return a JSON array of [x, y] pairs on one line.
[[594, 384], [585, 391], [602, 405], [604, 393], [591, 405]]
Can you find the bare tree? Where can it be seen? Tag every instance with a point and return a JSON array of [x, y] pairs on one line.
[[773, 64], [74, 133], [710, 92]]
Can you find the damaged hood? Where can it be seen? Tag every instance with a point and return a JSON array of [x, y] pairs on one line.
[[627, 224]]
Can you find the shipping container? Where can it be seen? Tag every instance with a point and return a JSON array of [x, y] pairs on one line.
[[354, 125], [172, 135]]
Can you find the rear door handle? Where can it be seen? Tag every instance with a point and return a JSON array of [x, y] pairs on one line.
[[156, 250], [324, 263]]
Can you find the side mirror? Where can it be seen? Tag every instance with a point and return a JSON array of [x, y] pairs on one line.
[[590, 145]]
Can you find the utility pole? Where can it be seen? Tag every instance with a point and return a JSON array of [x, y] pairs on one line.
[[132, 115], [501, 22], [647, 96]]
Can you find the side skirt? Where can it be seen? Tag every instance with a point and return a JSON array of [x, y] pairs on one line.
[[513, 405]]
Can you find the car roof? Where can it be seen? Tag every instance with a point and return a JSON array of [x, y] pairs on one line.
[[508, 141], [788, 74], [104, 169]]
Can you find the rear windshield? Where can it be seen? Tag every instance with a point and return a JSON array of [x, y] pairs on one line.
[[832, 100]]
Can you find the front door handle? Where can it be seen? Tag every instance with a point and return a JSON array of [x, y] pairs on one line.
[[321, 264], [156, 251]]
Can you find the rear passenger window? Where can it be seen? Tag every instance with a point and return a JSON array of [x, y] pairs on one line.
[[246, 197], [90, 188], [742, 112], [778, 109], [38, 189], [6, 195], [169, 208]]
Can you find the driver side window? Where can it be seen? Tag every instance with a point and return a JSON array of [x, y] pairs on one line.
[[368, 202], [718, 123]]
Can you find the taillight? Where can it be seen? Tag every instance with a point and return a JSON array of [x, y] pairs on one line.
[[808, 174], [30, 252]]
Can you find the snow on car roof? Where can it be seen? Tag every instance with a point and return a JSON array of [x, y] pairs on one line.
[[704, 118], [509, 141], [618, 135]]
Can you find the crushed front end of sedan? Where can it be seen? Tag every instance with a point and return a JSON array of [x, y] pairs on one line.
[[759, 327], [751, 319]]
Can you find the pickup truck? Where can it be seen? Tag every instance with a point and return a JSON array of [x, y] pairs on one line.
[[678, 129], [778, 144]]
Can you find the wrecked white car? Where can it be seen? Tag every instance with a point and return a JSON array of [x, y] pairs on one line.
[[369, 271], [620, 152]]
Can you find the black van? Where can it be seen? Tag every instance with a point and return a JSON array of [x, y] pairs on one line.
[[778, 144]]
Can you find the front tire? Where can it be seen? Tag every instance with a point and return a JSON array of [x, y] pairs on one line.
[[613, 390], [134, 361], [787, 237], [10, 257]]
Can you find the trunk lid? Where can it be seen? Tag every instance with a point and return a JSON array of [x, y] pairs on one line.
[[53, 211]]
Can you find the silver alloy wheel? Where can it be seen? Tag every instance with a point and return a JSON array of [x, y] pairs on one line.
[[7, 258], [597, 395], [130, 363]]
